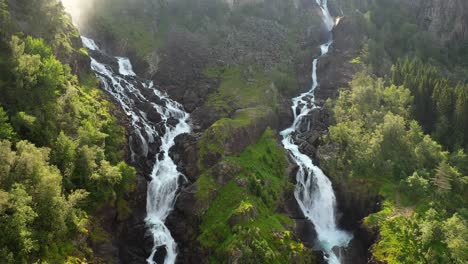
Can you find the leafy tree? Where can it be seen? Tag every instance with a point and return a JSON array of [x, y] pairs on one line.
[[6, 131], [44, 190], [456, 232], [416, 185], [17, 237], [395, 150], [5, 20], [375, 141], [64, 156]]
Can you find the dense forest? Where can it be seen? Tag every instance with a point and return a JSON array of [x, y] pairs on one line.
[[402, 128], [390, 130], [62, 149]]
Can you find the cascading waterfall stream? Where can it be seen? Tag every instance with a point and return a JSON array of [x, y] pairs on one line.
[[314, 192], [131, 92]]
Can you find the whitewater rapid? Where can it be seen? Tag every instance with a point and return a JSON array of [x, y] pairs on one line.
[[134, 94], [314, 192]]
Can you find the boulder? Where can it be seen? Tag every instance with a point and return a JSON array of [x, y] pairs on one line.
[[185, 155]]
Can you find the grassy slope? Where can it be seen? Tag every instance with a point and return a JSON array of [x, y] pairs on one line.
[[242, 221]]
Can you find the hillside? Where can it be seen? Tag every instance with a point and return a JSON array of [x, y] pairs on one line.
[[215, 131]]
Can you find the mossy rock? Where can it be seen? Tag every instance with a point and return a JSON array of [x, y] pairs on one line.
[[244, 213]]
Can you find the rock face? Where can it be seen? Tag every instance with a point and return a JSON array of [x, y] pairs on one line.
[[335, 71], [180, 72], [446, 19], [233, 3]]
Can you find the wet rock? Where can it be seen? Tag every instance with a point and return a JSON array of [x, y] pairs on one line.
[[151, 96], [185, 155], [137, 144], [289, 205], [307, 149], [306, 230], [356, 199], [105, 59], [203, 117], [150, 112], [161, 128], [183, 223], [357, 250], [285, 115], [134, 242], [172, 122], [160, 254], [312, 137]]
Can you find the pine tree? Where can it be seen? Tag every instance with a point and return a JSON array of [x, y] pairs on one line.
[[443, 177], [461, 115]]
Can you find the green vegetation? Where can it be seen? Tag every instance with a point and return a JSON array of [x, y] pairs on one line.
[[45, 19], [6, 130], [61, 150], [379, 142], [241, 223], [241, 87], [36, 216], [216, 138], [424, 218], [125, 22], [440, 106], [391, 31], [244, 98], [145, 26]]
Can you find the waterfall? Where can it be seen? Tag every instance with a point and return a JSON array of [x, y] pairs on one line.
[[314, 192], [133, 94]]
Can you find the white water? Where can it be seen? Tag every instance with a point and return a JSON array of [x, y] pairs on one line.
[[89, 43], [125, 67], [314, 192], [161, 194]]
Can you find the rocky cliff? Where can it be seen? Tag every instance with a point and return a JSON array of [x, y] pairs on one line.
[[447, 19]]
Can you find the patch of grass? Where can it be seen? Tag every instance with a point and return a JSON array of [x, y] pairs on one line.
[[260, 234], [206, 186], [89, 82], [216, 136], [241, 87]]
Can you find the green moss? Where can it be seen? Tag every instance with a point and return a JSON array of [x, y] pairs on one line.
[[241, 221], [83, 51], [216, 136], [244, 207], [241, 87], [206, 187]]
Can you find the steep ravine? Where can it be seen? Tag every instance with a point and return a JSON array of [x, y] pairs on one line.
[[335, 70], [314, 192]]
